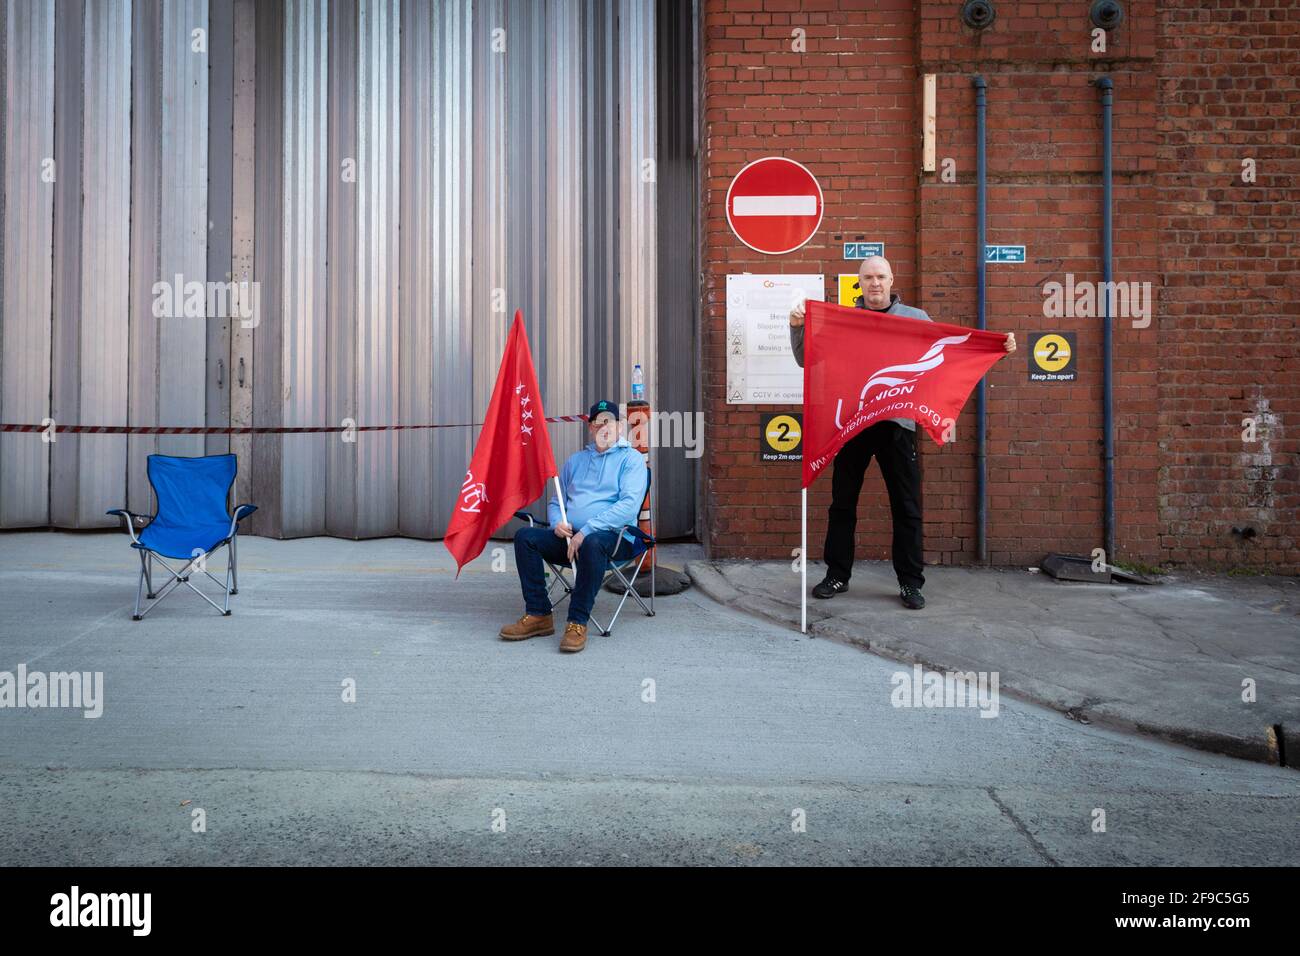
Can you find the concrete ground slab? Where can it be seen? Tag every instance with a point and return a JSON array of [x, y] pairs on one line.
[[1169, 660], [690, 737]]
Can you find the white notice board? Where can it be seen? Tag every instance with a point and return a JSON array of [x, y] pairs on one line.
[[761, 369]]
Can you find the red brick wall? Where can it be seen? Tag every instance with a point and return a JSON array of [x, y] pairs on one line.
[[849, 109], [846, 109], [1045, 466], [1230, 262]]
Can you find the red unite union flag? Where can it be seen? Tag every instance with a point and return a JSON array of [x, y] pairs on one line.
[[513, 458], [863, 367]]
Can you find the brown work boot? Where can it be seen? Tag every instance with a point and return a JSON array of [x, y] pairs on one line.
[[575, 637], [530, 625]]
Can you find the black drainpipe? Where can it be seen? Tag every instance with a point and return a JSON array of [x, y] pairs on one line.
[[981, 210], [1107, 87]]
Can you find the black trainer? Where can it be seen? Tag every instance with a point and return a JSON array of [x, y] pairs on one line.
[[830, 587], [911, 598]]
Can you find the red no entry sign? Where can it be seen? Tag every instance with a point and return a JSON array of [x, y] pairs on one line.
[[774, 205]]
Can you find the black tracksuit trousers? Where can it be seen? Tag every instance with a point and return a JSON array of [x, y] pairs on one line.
[[894, 447]]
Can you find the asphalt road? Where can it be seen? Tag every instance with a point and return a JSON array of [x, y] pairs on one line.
[[757, 745]]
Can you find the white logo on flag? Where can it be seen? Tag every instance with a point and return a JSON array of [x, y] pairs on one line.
[[472, 494], [893, 385], [525, 413]]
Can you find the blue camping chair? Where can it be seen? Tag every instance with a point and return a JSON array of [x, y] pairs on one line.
[[191, 524], [616, 566]]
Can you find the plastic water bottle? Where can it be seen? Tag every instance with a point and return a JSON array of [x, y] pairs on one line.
[[638, 384]]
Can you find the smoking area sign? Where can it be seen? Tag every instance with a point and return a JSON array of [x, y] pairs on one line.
[[863, 250], [1051, 357], [781, 437], [1004, 253]]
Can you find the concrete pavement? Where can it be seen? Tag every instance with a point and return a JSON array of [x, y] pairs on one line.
[[1171, 660], [703, 735]]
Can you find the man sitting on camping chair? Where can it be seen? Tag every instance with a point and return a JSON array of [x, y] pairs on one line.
[[603, 485]]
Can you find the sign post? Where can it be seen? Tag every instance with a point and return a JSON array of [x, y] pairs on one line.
[[761, 369], [774, 205], [1051, 357]]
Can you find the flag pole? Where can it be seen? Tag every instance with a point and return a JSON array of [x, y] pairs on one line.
[[803, 567], [803, 515], [559, 494]]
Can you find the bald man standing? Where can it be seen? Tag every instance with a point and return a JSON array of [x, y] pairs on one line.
[[893, 444]]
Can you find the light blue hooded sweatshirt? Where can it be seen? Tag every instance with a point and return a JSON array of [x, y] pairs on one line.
[[603, 491]]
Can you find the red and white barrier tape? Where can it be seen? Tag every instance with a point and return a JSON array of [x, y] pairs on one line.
[[239, 430]]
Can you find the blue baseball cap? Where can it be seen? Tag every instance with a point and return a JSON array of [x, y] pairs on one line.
[[602, 406]]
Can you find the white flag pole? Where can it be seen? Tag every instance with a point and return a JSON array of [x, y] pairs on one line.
[[803, 567], [559, 493], [803, 509]]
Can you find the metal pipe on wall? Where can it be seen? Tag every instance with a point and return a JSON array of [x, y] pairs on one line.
[[1107, 87], [981, 213]]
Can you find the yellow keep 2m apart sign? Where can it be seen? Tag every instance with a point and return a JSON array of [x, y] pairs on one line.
[[781, 437], [1051, 357]]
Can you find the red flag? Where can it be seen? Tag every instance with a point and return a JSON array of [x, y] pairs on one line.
[[862, 367], [513, 457]]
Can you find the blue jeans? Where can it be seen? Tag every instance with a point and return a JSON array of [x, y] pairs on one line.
[[533, 546]]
